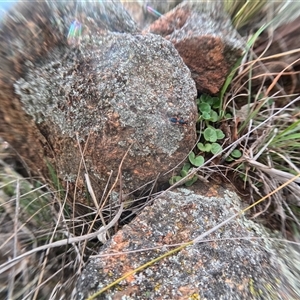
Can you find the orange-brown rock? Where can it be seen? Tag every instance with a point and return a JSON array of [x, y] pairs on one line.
[[205, 39]]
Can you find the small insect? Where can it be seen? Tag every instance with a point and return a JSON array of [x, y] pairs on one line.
[[179, 121]]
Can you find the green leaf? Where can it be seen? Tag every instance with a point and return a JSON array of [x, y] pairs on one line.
[[206, 116], [174, 179], [216, 102], [290, 129], [191, 181], [210, 135], [243, 177], [196, 160], [230, 77], [220, 134], [204, 107], [214, 117], [236, 153], [204, 148], [293, 136], [229, 159], [186, 167], [205, 99], [54, 177], [198, 101], [216, 148], [183, 173]]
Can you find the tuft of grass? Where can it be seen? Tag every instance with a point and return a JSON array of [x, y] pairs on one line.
[[254, 108], [242, 12], [30, 217], [269, 154]]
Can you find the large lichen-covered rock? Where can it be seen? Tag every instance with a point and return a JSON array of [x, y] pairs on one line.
[[203, 35], [106, 89], [117, 91], [237, 261], [29, 31]]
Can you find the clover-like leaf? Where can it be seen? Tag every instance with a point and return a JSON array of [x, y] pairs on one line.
[[186, 167], [183, 173], [204, 147], [216, 148], [206, 116], [216, 102], [220, 134], [210, 135], [236, 153], [214, 117], [196, 160], [207, 99], [174, 179], [191, 181], [229, 158], [204, 107]]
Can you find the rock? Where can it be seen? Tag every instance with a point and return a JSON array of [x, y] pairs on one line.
[[145, 12], [118, 91], [237, 261], [28, 32], [108, 92], [205, 39]]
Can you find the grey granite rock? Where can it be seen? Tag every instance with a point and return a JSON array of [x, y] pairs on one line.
[[237, 261], [116, 91]]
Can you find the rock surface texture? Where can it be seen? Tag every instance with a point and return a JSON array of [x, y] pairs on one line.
[[117, 92], [205, 39], [235, 262], [28, 33], [108, 90], [145, 12]]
